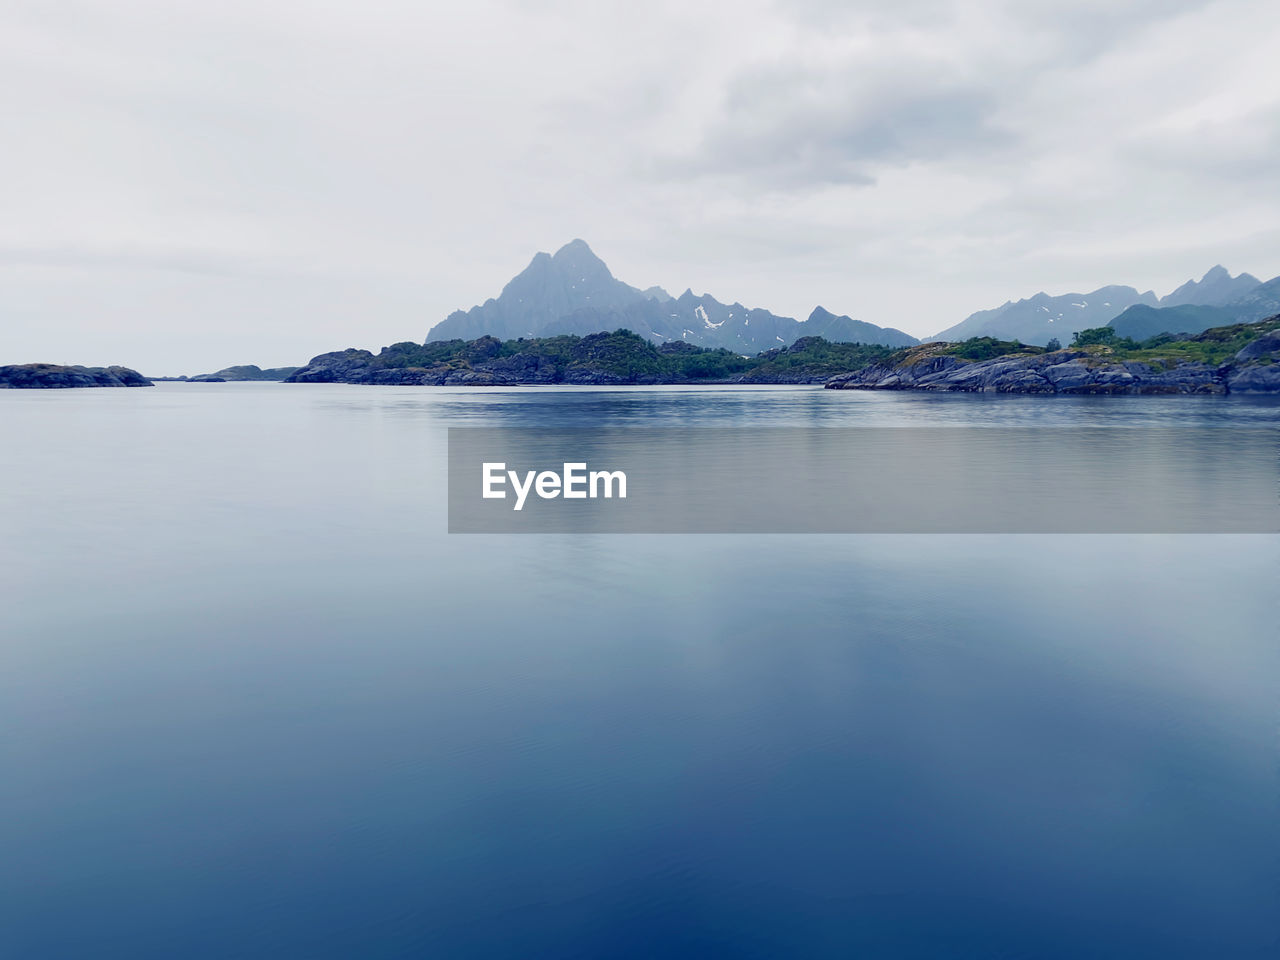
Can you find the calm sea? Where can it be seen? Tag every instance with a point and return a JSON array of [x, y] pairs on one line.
[[256, 703]]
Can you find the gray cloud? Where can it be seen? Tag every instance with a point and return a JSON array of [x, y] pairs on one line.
[[868, 85], [1085, 29], [796, 125], [188, 187]]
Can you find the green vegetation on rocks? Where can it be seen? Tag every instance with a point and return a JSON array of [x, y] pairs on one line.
[[1213, 346], [601, 358], [1238, 358]]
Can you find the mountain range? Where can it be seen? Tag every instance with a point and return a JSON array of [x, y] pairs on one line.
[[1228, 303], [1216, 299], [573, 292]]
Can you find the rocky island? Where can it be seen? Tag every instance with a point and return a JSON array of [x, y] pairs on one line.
[[244, 372], [247, 371], [620, 357], [52, 375]]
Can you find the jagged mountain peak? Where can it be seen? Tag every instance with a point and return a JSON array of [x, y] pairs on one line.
[[1043, 316], [842, 328], [1216, 288], [573, 291], [550, 287], [575, 247], [576, 255]]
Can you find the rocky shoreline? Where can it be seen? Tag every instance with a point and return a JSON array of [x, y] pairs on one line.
[[1253, 370], [1239, 359], [37, 376]]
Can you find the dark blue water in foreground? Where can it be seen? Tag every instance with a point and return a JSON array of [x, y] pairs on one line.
[[255, 703]]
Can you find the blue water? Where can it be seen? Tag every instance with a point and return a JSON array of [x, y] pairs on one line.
[[256, 703]]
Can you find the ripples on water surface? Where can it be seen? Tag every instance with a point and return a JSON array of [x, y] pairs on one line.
[[255, 703]]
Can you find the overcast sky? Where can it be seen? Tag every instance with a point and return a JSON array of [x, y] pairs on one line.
[[184, 186]]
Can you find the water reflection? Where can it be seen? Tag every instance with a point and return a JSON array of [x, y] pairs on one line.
[[255, 702]]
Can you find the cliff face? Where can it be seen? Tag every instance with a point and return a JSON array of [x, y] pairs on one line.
[[1095, 370], [51, 375]]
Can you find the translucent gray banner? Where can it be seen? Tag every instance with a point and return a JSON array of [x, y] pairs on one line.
[[872, 480]]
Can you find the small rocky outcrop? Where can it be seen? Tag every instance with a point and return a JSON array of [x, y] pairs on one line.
[[342, 366], [1256, 368], [52, 375], [1266, 347], [247, 371]]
